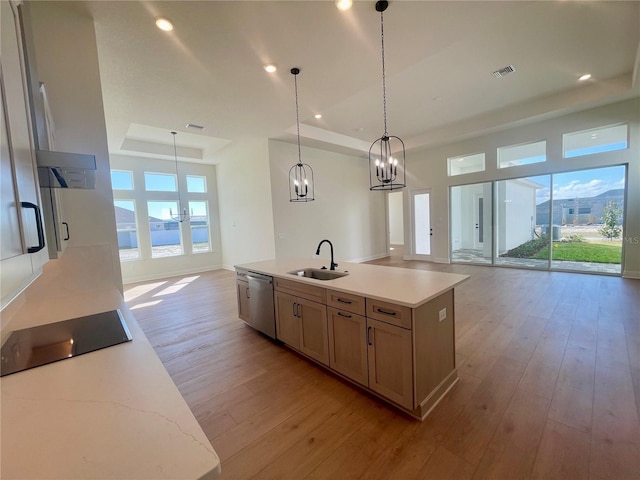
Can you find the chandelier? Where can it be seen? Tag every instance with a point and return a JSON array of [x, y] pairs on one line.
[[301, 187], [181, 215], [386, 154]]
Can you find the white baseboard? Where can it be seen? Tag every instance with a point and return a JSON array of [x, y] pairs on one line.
[[367, 259], [160, 276], [630, 274]]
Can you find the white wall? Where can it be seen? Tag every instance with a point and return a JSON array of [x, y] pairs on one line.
[[67, 62], [244, 195], [428, 167], [147, 268], [344, 211], [396, 223]]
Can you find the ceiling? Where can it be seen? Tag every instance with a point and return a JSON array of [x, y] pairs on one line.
[[439, 59]]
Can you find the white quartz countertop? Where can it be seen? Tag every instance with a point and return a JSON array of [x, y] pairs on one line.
[[113, 413], [403, 286]]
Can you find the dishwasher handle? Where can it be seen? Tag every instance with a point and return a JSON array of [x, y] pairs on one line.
[[260, 278]]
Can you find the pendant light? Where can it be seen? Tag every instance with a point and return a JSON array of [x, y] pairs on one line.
[[301, 187], [181, 215], [386, 154]]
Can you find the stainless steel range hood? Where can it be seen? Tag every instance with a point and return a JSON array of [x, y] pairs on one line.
[[66, 170]]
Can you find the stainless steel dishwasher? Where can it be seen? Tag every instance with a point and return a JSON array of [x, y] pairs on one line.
[[261, 303]]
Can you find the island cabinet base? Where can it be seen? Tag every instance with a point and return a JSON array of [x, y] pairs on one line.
[[403, 355]]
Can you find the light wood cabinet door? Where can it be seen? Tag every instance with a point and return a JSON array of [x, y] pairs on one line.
[[390, 362], [243, 300], [314, 336], [348, 345], [287, 322]]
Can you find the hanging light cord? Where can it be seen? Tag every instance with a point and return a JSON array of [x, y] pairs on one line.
[[384, 89], [295, 82], [175, 155]]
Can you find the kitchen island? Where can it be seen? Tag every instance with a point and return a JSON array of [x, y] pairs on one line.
[[391, 331], [113, 413]]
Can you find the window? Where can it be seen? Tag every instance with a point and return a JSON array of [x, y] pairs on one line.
[[465, 164], [596, 140], [166, 238], [127, 229], [196, 184], [121, 180], [199, 227], [160, 182], [525, 154]]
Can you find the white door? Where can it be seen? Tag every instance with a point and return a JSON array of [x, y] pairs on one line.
[[478, 220], [421, 222]]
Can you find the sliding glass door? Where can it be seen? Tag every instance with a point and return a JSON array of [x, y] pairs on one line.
[[471, 223], [564, 221], [522, 219]]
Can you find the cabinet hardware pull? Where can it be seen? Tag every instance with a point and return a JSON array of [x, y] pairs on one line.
[[369, 336], [246, 291], [379, 310], [39, 228], [348, 302], [293, 309], [344, 315], [298, 310], [66, 226]]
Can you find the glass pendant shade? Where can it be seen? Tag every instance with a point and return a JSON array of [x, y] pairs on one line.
[[301, 186], [386, 154], [182, 214], [386, 169]]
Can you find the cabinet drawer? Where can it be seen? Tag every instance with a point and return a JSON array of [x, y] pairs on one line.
[[346, 301], [389, 313], [310, 292]]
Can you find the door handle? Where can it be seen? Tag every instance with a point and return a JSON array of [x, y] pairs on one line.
[[293, 309], [298, 311], [344, 315], [431, 231], [66, 226], [36, 210], [246, 292], [369, 336]]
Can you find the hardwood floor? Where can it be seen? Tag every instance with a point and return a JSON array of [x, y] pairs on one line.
[[549, 367]]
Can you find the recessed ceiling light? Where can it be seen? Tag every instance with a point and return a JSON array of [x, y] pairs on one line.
[[318, 116], [584, 77], [164, 24], [344, 4], [270, 68]]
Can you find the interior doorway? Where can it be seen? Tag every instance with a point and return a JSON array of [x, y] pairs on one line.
[[395, 223], [421, 223]]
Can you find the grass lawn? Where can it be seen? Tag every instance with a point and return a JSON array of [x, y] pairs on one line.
[[583, 252]]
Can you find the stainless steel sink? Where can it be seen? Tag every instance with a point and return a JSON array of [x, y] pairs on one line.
[[318, 273]]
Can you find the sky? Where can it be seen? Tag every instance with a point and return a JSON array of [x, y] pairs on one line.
[[581, 183]]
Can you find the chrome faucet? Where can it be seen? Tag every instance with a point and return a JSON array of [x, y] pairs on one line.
[[333, 264]]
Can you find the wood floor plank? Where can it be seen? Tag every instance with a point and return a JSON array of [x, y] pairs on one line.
[[511, 452], [563, 454], [532, 340], [445, 465]]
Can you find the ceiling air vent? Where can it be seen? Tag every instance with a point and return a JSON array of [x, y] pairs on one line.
[[504, 71], [194, 126]]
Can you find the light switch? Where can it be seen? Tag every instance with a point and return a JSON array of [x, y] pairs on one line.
[[442, 314]]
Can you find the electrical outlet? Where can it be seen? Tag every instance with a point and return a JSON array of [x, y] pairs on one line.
[[442, 314]]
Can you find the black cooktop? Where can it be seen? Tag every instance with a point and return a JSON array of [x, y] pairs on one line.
[[36, 346]]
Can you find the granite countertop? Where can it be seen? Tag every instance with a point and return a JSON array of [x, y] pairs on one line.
[[113, 413], [402, 286]]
